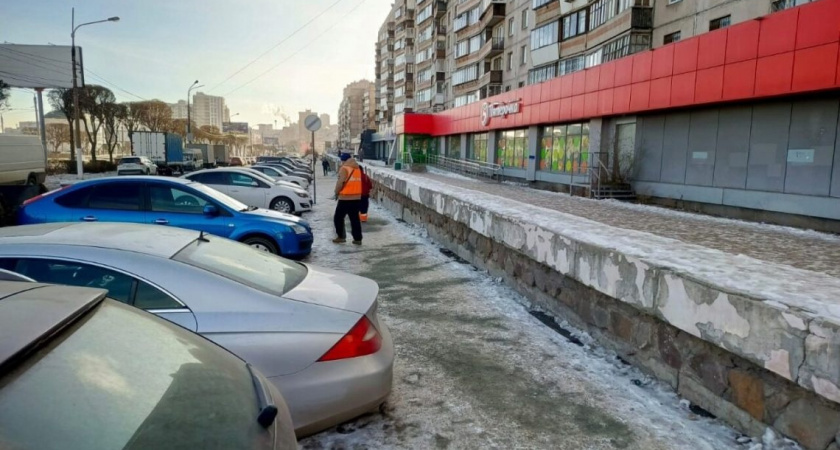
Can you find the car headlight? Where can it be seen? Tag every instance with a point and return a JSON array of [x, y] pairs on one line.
[[298, 229]]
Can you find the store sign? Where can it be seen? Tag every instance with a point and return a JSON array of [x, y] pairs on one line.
[[491, 110]]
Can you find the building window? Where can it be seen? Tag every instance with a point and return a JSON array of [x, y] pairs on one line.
[[477, 148], [453, 146], [565, 148], [523, 51], [671, 2], [465, 74], [719, 23], [572, 64], [545, 35], [510, 61], [574, 24], [673, 37], [541, 74], [512, 148], [539, 3], [511, 26], [497, 63], [524, 19], [521, 84]]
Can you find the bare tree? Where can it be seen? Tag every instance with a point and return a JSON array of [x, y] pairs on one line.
[[130, 118], [98, 101], [58, 134], [4, 95], [62, 100], [155, 115], [114, 115]]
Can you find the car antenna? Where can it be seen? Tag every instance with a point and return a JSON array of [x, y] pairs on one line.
[[202, 238]]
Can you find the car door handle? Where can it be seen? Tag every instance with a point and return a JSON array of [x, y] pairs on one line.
[[89, 219], [161, 221]]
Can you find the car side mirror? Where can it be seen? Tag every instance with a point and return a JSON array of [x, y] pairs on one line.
[[211, 210]]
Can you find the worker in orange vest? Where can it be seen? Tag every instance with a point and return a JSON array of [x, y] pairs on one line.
[[348, 191], [366, 187]]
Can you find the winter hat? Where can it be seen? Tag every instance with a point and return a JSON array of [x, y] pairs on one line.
[[345, 156]]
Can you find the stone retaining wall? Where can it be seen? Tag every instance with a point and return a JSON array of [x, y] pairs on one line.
[[663, 322]]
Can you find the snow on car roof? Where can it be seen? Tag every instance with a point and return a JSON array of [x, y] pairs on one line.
[[154, 240]]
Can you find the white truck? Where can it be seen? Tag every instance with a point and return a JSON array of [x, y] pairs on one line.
[[21, 160]]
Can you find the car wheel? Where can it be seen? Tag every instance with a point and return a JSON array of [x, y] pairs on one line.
[[148, 172], [282, 204], [262, 244], [31, 181]]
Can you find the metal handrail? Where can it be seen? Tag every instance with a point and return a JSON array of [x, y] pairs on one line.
[[467, 167]]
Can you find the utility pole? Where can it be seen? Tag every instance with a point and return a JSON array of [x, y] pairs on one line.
[[77, 131], [189, 119]]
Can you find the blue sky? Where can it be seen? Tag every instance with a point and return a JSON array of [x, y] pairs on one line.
[[158, 48]]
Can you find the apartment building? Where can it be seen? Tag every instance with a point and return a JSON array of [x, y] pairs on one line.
[[208, 110], [353, 118], [179, 109]]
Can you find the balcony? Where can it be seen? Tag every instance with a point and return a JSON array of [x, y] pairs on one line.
[[492, 48], [408, 15], [491, 77], [491, 16], [440, 9], [641, 18], [440, 30]]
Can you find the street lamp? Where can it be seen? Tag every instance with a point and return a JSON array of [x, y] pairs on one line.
[[79, 163], [189, 120]]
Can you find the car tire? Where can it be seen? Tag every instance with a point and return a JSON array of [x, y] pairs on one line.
[[32, 180], [282, 204], [148, 172], [262, 244]]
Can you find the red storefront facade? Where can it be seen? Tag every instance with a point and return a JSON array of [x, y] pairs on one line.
[[783, 56]]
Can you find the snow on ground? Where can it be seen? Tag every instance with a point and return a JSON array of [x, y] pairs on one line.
[[449, 174], [475, 369], [811, 292], [56, 181]]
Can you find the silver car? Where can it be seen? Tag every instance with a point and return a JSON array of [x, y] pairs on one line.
[[313, 332]]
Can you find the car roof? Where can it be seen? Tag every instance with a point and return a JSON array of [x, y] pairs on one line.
[[151, 240], [134, 178], [31, 313]]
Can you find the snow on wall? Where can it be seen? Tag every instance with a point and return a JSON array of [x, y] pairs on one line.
[[784, 319]]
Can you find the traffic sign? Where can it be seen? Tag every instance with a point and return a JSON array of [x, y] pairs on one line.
[[312, 123]]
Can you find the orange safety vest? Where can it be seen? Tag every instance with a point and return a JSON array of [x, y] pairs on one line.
[[353, 185]]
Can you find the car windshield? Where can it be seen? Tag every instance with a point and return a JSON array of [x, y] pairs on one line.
[[122, 379], [242, 263], [130, 161], [220, 197]]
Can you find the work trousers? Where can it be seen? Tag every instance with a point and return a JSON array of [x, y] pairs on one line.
[[343, 209]]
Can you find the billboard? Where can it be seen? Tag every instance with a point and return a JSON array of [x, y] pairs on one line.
[[38, 66], [235, 127]]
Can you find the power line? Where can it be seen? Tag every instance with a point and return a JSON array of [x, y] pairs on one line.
[[276, 45], [296, 52]]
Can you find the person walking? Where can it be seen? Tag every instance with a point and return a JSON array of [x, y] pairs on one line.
[[326, 165], [365, 202], [348, 192]]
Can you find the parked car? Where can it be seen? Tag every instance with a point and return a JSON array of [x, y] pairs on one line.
[[286, 167], [235, 161], [80, 370], [313, 332], [136, 165], [21, 160], [254, 189], [279, 175], [175, 202]]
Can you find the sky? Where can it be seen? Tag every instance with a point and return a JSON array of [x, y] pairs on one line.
[[159, 47]]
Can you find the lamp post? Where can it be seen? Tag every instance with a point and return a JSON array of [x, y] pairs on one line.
[[79, 163], [230, 121], [189, 119]]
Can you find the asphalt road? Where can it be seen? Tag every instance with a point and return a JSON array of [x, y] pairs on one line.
[[475, 369]]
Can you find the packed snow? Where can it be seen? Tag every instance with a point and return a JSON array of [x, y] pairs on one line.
[[56, 181]]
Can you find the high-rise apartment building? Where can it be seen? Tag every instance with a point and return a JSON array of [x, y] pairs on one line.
[[179, 110], [352, 117], [208, 110]]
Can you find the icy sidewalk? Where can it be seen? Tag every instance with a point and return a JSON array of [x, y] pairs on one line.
[[745, 301]]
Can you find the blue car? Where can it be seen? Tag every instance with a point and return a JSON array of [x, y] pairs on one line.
[[172, 202]]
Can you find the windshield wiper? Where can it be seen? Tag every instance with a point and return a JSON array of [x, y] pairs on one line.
[[267, 409]]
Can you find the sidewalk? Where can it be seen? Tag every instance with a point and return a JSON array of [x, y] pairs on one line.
[[769, 294], [803, 249]]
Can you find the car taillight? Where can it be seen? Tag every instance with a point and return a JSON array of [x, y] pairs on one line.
[[38, 197], [363, 339]]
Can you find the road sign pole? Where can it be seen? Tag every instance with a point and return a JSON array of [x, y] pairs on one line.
[[314, 174], [313, 124]]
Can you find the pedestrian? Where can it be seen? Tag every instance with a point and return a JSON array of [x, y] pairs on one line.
[[326, 165], [366, 187], [348, 192]]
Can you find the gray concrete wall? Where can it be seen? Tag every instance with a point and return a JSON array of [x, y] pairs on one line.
[[691, 17], [749, 361]]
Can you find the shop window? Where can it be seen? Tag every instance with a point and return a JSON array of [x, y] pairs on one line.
[[477, 150], [564, 148], [512, 148]]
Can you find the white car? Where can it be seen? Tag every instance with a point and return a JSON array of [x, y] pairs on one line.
[[279, 175], [136, 165], [254, 189]]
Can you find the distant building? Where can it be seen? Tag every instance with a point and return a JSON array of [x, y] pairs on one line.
[[352, 117], [208, 110], [179, 110], [325, 120], [227, 114]]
